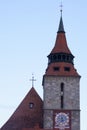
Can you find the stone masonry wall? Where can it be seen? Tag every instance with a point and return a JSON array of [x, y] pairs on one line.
[[52, 92], [75, 120], [52, 100], [48, 119]]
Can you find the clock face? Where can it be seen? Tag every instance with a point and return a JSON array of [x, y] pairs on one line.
[[61, 120]]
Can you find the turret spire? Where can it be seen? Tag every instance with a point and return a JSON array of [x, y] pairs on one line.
[[61, 26]]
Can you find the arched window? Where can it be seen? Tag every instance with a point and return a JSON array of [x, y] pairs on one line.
[[62, 95]]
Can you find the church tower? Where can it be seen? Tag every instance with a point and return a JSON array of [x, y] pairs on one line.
[[61, 87]]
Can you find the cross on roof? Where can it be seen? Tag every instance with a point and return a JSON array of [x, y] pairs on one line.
[[32, 80]]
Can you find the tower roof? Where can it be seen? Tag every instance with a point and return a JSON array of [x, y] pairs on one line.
[[60, 60], [28, 114], [61, 42]]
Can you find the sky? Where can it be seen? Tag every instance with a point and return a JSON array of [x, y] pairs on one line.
[[27, 35]]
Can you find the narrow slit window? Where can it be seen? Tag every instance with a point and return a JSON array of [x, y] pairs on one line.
[[62, 95]]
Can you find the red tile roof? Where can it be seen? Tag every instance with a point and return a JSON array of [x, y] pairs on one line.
[[61, 44], [24, 116], [61, 71]]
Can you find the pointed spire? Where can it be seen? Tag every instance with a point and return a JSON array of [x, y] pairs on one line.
[[61, 26], [61, 42]]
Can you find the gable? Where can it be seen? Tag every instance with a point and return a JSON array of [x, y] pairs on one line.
[[28, 114]]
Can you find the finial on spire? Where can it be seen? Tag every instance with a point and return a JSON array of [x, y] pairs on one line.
[[61, 7], [61, 27], [32, 80]]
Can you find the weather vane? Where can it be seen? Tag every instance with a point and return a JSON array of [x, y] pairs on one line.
[[32, 80]]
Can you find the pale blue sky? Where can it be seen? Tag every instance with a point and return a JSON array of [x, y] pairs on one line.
[[27, 35]]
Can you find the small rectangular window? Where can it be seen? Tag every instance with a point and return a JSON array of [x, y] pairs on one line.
[[31, 105], [67, 68], [56, 68]]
